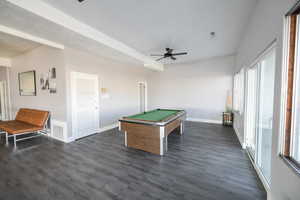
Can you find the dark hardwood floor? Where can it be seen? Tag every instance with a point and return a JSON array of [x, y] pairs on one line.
[[207, 163]]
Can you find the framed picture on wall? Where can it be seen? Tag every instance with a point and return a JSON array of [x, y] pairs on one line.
[[27, 83]]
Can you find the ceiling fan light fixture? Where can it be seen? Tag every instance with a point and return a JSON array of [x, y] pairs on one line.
[[169, 54], [212, 34]]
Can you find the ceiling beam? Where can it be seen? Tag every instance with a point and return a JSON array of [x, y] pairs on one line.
[[26, 36], [52, 14]]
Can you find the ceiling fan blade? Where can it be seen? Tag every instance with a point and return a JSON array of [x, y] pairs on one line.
[[173, 58], [160, 58], [156, 55], [179, 54]]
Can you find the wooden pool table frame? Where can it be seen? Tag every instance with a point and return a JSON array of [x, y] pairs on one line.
[[151, 136]]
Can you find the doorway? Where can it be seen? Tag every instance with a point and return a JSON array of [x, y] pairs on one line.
[[142, 96], [85, 104]]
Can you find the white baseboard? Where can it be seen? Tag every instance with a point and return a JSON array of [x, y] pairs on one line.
[[69, 140], [204, 120], [109, 127], [238, 136], [260, 175], [100, 130]]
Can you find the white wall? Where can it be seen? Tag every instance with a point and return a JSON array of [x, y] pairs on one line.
[[3, 73], [200, 88], [266, 25], [5, 62], [121, 81], [41, 60]]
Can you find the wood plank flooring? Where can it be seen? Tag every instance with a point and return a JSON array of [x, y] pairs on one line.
[[207, 163]]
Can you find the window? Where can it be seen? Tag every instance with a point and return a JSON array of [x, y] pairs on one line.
[[291, 146], [238, 91]]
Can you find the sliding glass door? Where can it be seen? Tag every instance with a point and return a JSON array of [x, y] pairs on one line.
[[265, 113], [259, 112]]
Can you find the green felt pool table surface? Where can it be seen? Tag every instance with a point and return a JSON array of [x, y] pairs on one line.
[[154, 115]]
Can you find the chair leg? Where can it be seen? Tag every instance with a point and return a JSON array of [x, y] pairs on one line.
[[15, 141], [6, 138]]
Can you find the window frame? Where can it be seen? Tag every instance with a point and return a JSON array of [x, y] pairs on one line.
[[291, 63]]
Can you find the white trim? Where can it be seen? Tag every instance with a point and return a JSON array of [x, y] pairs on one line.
[[295, 92], [264, 53], [250, 113], [70, 139], [100, 130], [27, 36], [3, 103], [260, 175], [52, 14], [9, 94], [204, 120], [5, 62], [284, 84], [108, 127], [243, 144], [146, 94]]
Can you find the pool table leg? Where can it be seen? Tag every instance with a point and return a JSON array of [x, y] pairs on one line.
[[181, 128], [166, 147], [125, 138], [125, 134], [162, 142]]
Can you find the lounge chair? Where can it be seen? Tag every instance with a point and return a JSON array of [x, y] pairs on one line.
[[29, 123]]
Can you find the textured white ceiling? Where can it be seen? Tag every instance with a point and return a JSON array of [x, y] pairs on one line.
[[151, 26], [147, 26], [11, 46], [22, 20]]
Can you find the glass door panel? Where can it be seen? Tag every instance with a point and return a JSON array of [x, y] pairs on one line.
[[251, 104], [265, 114]]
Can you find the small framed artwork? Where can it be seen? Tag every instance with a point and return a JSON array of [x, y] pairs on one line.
[[48, 81], [27, 83]]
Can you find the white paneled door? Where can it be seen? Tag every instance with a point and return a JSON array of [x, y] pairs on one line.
[[85, 104]]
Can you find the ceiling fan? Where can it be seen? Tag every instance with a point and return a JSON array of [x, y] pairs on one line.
[[169, 54]]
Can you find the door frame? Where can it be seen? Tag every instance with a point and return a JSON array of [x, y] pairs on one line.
[[7, 94], [146, 95], [3, 102], [74, 75]]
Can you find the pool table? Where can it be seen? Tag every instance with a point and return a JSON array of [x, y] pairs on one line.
[[148, 131]]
